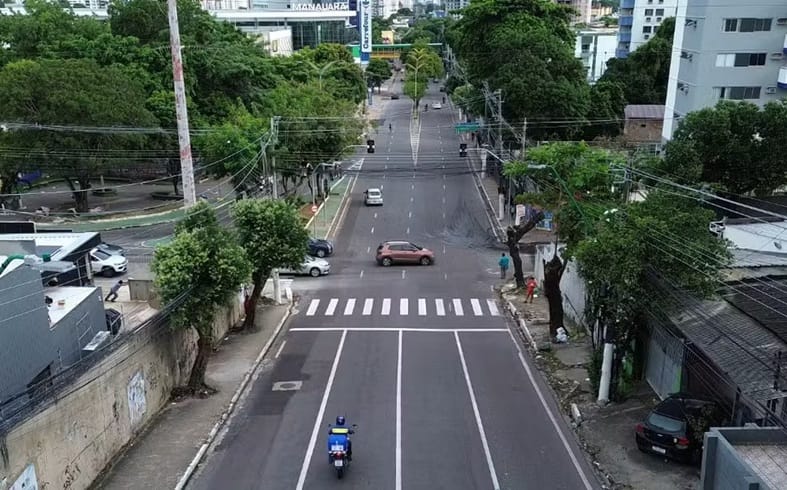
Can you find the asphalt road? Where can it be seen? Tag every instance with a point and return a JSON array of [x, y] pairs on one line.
[[420, 357]]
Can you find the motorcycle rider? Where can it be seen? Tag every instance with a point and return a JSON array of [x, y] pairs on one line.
[[342, 430]]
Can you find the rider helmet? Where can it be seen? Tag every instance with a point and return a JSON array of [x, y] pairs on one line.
[[339, 420]]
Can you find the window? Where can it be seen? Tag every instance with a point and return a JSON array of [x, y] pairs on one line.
[[647, 29], [729, 60], [739, 93], [730, 25], [646, 36], [725, 60], [755, 25], [660, 12], [585, 48], [648, 19], [659, 19], [648, 11]]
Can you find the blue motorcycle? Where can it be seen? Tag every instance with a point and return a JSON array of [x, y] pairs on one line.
[[340, 447]]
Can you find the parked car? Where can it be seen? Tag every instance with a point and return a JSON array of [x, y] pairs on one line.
[[312, 266], [111, 249], [394, 96], [107, 264], [402, 252], [373, 197], [675, 427], [319, 247], [437, 105]]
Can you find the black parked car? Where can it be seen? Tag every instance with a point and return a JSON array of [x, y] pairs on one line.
[[319, 247], [675, 427]]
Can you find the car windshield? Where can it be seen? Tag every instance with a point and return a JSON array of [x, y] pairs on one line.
[[374, 193], [101, 255], [667, 424]]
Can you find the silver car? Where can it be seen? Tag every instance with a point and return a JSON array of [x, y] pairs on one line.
[[312, 266], [373, 197]]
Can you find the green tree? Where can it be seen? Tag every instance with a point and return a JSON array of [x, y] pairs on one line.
[[378, 26], [378, 71], [568, 175], [206, 264], [273, 235], [733, 146], [607, 103], [422, 64], [404, 12], [75, 93], [526, 49]]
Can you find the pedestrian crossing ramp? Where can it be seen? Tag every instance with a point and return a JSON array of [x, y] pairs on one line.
[[418, 307]]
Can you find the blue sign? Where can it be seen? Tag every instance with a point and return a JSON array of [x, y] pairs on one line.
[[546, 223]]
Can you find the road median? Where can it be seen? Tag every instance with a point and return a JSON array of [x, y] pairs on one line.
[[325, 221]]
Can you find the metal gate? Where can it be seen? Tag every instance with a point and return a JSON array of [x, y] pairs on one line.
[[664, 365]]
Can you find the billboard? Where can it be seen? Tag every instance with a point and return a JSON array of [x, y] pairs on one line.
[[366, 28], [388, 37]]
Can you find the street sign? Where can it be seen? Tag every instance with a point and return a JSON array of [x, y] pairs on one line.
[[314, 208], [467, 127]]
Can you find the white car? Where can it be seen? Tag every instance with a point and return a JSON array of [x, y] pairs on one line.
[[437, 105], [107, 264], [373, 197], [312, 266]]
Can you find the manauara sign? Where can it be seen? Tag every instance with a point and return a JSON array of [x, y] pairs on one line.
[[321, 6]]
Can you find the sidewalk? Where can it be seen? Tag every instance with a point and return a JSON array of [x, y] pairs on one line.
[[160, 455], [325, 221]]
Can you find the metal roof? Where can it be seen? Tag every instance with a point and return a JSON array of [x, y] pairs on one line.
[[644, 111]]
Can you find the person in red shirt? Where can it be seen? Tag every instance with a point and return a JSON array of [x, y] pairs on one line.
[[531, 289]]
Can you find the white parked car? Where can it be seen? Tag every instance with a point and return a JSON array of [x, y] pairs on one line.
[[373, 197], [107, 264], [312, 266]]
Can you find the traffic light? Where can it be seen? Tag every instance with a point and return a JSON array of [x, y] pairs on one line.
[[369, 146], [462, 149]]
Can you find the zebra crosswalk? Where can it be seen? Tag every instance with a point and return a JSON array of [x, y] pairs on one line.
[[402, 307]]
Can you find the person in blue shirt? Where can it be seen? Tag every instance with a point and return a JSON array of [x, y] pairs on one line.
[[340, 434], [503, 263]]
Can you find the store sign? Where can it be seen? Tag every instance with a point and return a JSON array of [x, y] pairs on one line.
[[366, 26], [321, 7]]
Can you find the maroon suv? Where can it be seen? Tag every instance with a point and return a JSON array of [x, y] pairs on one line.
[[402, 252]]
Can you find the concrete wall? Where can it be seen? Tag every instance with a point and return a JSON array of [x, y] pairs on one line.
[[69, 443], [571, 285], [643, 130], [723, 468]]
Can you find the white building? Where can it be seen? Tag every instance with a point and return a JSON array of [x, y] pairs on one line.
[[277, 41], [595, 47], [639, 20], [726, 49]]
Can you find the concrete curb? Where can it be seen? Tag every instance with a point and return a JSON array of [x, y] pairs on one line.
[[232, 405], [342, 211], [521, 324], [322, 204]]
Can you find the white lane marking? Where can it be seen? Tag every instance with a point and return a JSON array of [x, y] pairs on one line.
[[313, 307], [396, 329], [477, 311], [441, 150], [411, 199], [404, 306], [412, 186], [349, 307], [552, 418], [403, 273], [410, 214], [386, 306], [398, 485], [478, 421], [372, 230], [375, 215], [281, 348], [445, 276], [320, 414], [438, 304], [443, 215], [443, 186], [458, 307], [443, 244], [331, 306], [492, 307], [361, 275], [444, 200], [407, 233], [382, 186], [368, 249], [421, 306], [368, 304]]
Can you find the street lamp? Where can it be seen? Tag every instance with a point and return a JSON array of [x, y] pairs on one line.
[[321, 71]]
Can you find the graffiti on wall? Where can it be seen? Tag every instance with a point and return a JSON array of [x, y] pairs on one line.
[[137, 405], [27, 480]]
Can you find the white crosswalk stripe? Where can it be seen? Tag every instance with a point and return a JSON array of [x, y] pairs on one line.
[[422, 307]]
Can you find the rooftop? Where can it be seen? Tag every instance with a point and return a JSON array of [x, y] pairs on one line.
[[57, 245], [761, 450], [71, 296], [763, 299], [644, 111]]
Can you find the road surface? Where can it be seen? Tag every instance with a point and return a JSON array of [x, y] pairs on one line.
[[420, 357]]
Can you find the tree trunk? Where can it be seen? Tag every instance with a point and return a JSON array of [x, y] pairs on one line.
[[513, 235], [204, 348], [80, 195], [175, 181], [553, 272], [251, 303]]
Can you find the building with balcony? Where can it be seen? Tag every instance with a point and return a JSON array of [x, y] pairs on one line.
[[594, 47], [725, 49], [639, 20]]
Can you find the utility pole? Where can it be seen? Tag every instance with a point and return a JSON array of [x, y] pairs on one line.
[[274, 140], [524, 139], [499, 94], [184, 141]]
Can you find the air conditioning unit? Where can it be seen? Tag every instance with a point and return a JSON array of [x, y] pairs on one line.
[[770, 90]]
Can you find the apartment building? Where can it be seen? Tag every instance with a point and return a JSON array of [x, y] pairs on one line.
[[594, 47], [726, 49], [639, 20]]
